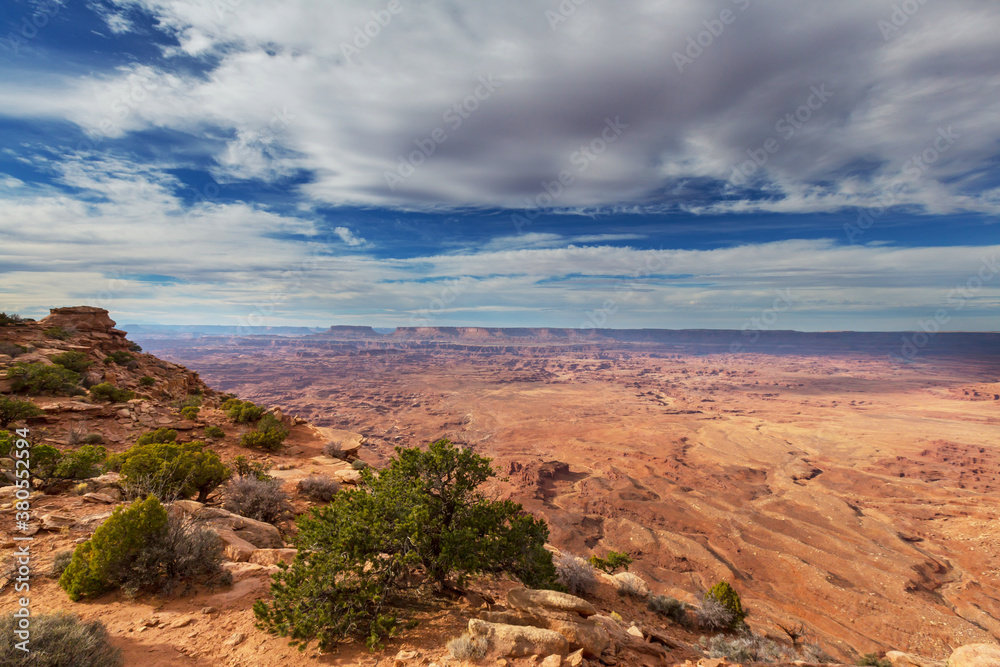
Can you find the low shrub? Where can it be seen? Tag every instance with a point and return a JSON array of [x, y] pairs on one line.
[[147, 381], [319, 487], [84, 463], [269, 434], [59, 640], [615, 560], [16, 409], [190, 401], [747, 648], [358, 464], [92, 439], [333, 450], [59, 333], [242, 412], [105, 391], [7, 319], [43, 462], [139, 548], [170, 470], [713, 615], [12, 349], [727, 596], [39, 378], [468, 647], [189, 412], [74, 361], [60, 562], [120, 358], [576, 574], [669, 607], [214, 432], [159, 435], [244, 467], [6, 443], [262, 500], [873, 660], [134, 347]]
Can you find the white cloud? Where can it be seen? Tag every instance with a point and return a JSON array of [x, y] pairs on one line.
[[687, 131]]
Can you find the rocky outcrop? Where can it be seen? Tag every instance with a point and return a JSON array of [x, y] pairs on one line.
[[900, 659], [517, 641], [84, 319], [241, 537], [976, 655], [565, 614]]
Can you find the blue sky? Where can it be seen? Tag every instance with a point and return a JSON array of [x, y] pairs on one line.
[[644, 163]]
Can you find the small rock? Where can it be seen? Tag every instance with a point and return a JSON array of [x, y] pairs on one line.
[[235, 640], [98, 498], [575, 659], [57, 521], [210, 610], [151, 622], [552, 661], [406, 655], [635, 632], [182, 622], [502, 662]]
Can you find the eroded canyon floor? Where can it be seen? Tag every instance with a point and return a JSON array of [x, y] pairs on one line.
[[844, 489]]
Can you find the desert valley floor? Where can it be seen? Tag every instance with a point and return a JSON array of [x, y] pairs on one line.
[[840, 488]]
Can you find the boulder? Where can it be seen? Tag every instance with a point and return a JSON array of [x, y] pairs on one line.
[[346, 475], [273, 556], [900, 659], [234, 548], [632, 584], [257, 533], [586, 635], [540, 602], [346, 441], [102, 498], [517, 640], [57, 521], [976, 655]]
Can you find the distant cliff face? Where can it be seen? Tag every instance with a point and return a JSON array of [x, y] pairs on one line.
[[902, 345]]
